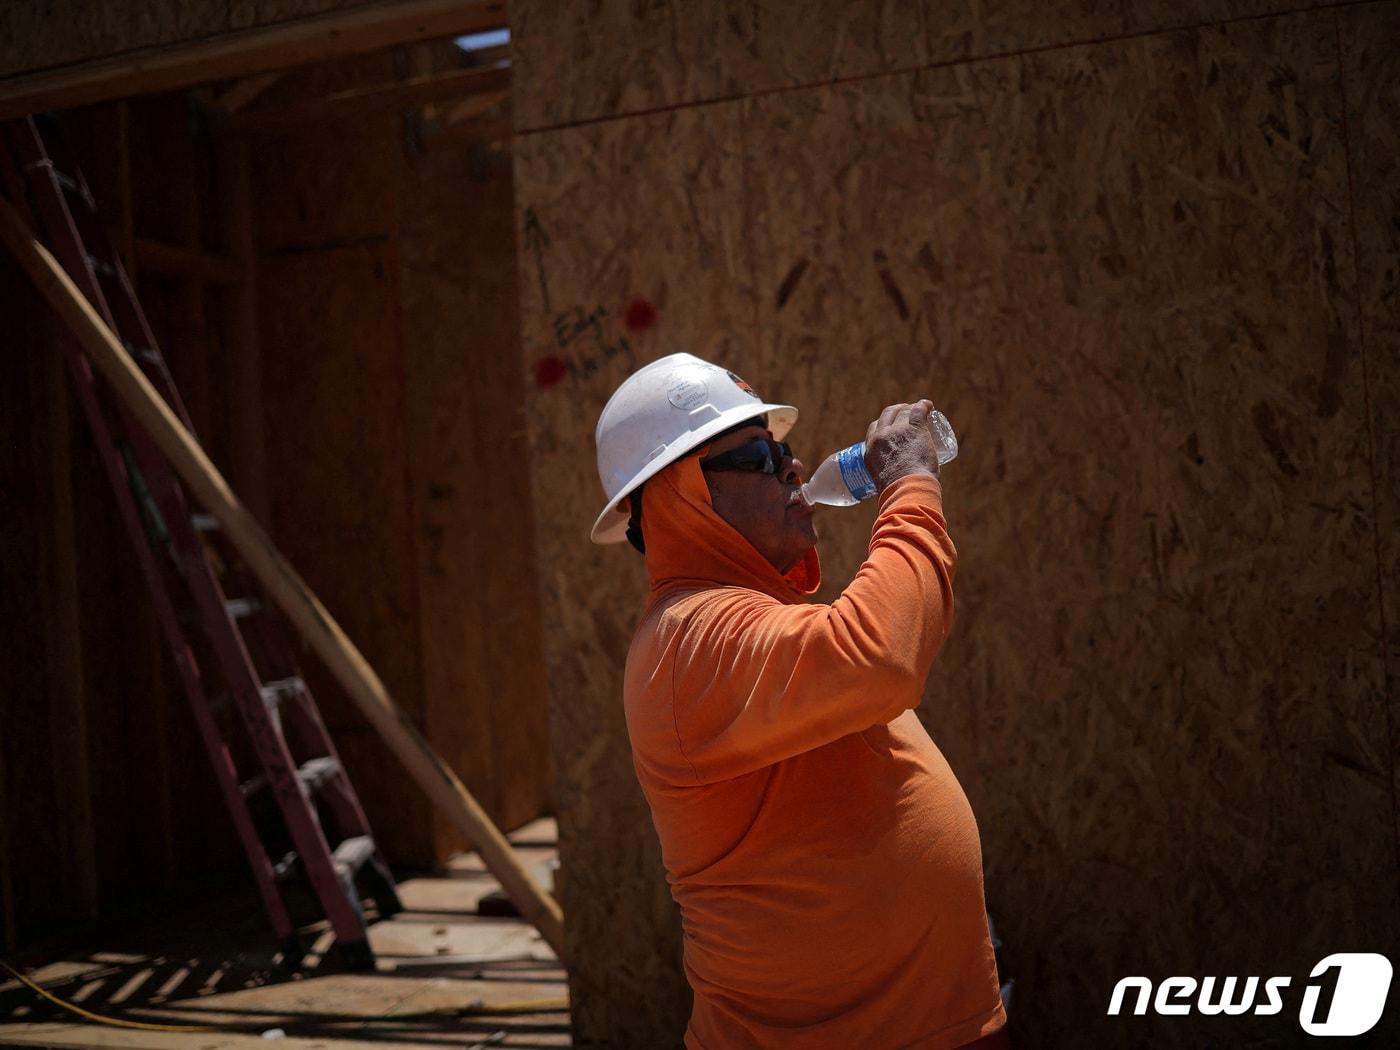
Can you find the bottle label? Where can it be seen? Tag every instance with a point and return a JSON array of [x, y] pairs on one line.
[[853, 473]]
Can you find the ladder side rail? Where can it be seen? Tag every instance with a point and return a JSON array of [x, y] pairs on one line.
[[132, 326], [124, 313], [266, 634], [305, 718], [263, 724]]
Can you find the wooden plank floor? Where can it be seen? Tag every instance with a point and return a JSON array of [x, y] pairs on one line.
[[446, 976]]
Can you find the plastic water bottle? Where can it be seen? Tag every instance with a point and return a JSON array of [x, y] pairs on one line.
[[843, 481]]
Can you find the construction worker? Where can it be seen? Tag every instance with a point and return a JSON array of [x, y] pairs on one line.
[[826, 862]]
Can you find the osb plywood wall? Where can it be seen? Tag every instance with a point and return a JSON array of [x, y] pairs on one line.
[[1144, 256], [391, 386], [479, 613], [336, 425], [37, 36]]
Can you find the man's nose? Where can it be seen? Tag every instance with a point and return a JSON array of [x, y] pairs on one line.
[[793, 471]]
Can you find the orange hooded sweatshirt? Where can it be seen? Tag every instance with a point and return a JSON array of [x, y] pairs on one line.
[[825, 859]]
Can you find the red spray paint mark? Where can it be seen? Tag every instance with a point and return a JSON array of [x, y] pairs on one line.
[[640, 315], [549, 370]]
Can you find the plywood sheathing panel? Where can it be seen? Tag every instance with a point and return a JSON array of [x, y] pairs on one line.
[[1371, 67], [243, 14], [621, 224], [36, 36], [569, 68], [584, 62], [166, 177], [575, 62], [333, 398], [1124, 269], [423, 345], [1154, 15], [468, 457], [43, 750], [40, 35], [327, 186]]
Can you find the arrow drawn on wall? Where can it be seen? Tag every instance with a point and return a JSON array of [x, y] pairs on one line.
[[536, 240]]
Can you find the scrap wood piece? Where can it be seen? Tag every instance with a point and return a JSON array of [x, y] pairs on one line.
[[281, 581]]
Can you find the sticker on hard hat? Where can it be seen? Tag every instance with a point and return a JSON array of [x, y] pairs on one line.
[[742, 385], [688, 393]]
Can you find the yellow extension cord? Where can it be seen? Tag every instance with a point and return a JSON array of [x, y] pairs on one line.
[[116, 1022], [527, 1006]]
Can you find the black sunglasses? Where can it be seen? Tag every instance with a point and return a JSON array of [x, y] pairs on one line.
[[761, 455]]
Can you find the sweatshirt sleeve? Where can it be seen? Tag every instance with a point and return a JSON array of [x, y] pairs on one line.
[[756, 681]]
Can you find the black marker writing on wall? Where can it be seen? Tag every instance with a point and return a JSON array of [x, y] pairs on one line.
[[581, 365], [536, 240], [571, 324], [578, 362]]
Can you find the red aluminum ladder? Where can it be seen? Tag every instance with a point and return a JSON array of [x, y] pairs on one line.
[[196, 578]]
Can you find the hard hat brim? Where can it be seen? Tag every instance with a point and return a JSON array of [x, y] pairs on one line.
[[611, 525]]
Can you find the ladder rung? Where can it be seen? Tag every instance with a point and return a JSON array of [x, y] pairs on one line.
[[284, 867], [316, 771], [351, 854], [205, 522], [273, 693], [239, 608], [68, 184], [101, 267], [142, 353], [253, 785]]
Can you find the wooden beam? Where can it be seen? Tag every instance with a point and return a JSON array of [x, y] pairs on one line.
[[298, 42], [173, 260], [282, 583], [356, 103]]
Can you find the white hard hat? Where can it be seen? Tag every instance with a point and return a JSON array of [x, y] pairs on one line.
[[659, 413]]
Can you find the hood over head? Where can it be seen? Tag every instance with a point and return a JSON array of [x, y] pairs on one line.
[[690, 547]]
